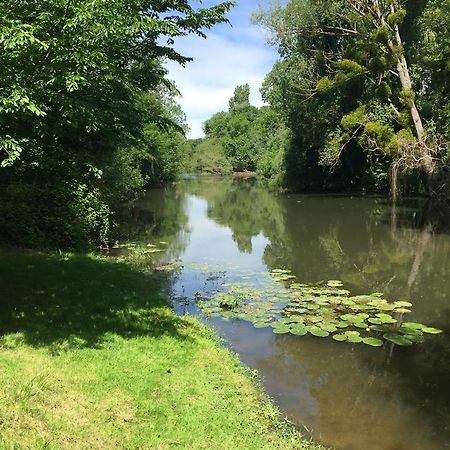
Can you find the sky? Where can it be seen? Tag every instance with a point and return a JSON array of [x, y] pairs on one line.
[[231, 55]]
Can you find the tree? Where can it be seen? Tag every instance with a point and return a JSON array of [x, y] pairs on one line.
[[356, 43], [74, 83]]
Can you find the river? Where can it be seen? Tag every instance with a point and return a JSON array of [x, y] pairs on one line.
[[348, 396]]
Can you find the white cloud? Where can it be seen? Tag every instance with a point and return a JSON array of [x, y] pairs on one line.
[[228, 57]]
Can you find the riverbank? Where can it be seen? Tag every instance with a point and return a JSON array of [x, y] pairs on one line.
[[92, 356]]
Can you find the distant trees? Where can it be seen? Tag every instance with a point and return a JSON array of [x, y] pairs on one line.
[[246, 133], [86, 111]]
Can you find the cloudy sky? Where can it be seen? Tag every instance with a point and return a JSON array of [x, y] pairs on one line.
[[231, 55]]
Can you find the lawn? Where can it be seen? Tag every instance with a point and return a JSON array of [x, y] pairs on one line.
[[92, 357]]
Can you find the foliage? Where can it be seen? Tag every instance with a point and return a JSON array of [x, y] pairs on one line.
[[206, 156], [320, 310], [85, 102], [251, 138], [343, 87]]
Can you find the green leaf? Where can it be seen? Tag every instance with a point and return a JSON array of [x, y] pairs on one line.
[[397, 339], [430, 330], [340, 337], [318, 332], [374, 342]]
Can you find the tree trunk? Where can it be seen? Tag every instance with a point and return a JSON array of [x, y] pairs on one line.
[[427, 162]]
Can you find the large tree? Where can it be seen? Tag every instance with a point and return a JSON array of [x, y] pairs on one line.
[[82, 92], [354, 50]]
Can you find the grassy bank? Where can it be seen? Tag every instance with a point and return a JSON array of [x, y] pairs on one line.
[[91, 356]]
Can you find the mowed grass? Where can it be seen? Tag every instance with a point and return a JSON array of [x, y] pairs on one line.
[[92, 357]]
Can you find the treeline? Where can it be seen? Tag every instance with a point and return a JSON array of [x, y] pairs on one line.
[[244, 138], [87, 115], [358, 101]]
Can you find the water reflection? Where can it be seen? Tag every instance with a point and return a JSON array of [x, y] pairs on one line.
[[350, 397]]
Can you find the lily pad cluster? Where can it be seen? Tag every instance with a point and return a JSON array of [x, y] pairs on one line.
[[322, 310]]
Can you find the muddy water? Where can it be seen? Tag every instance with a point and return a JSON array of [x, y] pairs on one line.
[[347, 396]]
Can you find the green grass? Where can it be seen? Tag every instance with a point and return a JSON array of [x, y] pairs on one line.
[[92, 357]]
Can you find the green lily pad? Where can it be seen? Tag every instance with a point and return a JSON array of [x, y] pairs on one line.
[[261, 324], [285, 320], [361, 325], [403, 304], [318, 332], [334, 283], [281, 329], [386, 318], [397, 339], [431, 330], [340, 337], [328, 327], [298, 330], [313, 307], [353, 336], [386, 307], [412, 325], [379, 328], [374, 342], [362, 316], [402, 310]]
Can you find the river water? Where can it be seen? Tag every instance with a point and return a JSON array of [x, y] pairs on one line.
[[348, 396]]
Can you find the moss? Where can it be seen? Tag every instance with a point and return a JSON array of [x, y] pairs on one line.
[[407, 97], [397, 17], [350, 67], [324, 85], [378, 64], [381, 34], [354, 119]]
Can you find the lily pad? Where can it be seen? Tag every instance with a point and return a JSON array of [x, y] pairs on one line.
[[298, 330], [316, 331], [281, 329], [412, 325], [353, 336], [431, 330], [403, 304], [340, 337], [402, 310], [334, 283], [397, 339], [386, 318], [261, 324], [328, 327], [374, 342]]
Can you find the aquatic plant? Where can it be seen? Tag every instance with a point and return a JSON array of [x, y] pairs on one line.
[[322, 310]]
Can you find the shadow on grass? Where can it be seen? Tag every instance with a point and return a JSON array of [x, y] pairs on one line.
[[80, 301]]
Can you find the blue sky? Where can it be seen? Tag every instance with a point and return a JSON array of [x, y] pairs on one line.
[[231, 55]]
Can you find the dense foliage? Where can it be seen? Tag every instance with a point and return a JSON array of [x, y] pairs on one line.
[[86, 112], [359, 100], [244, 138], [363, 86]]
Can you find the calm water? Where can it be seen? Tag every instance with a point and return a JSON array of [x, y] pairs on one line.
[[347, 396]]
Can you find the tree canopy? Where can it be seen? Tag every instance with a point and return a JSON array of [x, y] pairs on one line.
[[85, 106]]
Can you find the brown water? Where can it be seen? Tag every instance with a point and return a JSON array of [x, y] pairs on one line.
[[347, 396]]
